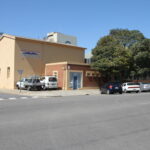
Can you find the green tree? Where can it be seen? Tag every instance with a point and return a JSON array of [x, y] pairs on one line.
[[127, 38], [141, 55], [112, 56]]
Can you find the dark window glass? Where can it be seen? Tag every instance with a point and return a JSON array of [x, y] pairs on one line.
[[53, 79]]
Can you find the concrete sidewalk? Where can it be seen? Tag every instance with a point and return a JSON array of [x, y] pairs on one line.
[[51, 92]]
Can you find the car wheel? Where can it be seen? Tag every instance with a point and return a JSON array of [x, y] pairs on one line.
[[108, 92], [44, 88], [39, 88], [137, 91], [120, 92], [18, 87], [29, 88]]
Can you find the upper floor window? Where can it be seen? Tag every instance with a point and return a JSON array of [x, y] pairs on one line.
[[67, 42], [8, 72], [87, 60], [55, 73]]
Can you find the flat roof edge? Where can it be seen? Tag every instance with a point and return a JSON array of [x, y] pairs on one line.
[[8, 36], [67, 63], [47, 42], [40, 41]]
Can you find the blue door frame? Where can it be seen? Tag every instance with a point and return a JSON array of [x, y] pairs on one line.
[[75, 82]]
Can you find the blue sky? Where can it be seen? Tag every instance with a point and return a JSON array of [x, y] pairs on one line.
[[88, 20]]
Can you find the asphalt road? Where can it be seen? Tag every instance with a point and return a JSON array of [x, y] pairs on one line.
[[102, 122]]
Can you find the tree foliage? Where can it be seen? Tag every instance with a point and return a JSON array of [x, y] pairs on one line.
[[141, 55], [113, 55], [125, 37]]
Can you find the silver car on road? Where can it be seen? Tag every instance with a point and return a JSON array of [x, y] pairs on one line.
[[144, 86]]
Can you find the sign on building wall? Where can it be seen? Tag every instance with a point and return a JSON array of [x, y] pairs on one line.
[[30, 54], [20, 72]]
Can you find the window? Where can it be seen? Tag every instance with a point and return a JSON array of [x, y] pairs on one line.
[[87, 60], [8, 72], [92, 74], [42, 78], [67, 42], [55, 73], [52, 79], [88, 74]]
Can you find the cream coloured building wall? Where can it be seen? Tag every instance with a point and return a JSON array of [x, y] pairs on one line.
[[7, 46], [47, 53], [31, 65], [54, 53]]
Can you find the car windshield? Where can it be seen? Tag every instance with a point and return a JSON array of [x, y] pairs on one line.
[[145, 83], [36, 81], [115, 83], [53, 79], [30, 80], [112, 83], [132, 83]]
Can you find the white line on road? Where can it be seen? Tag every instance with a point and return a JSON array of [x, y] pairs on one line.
[[34, 97], [146, 103], [12, 98], [23, 97], [1, 99]]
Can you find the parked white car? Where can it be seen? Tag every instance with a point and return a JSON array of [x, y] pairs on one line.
[[49, 82], [131, 87], [21, 84]]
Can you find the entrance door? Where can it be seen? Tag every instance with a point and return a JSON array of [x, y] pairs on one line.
[[75, 82]]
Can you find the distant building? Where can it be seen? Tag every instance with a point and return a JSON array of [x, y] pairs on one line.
[[87, 59], [61, 38]]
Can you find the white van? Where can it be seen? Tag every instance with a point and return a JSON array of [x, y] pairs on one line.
[[21, 84], [49, 82]]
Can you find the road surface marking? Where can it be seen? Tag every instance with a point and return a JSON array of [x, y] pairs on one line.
[[23, 97], [12, 98], [146, 103], [35, 97]]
